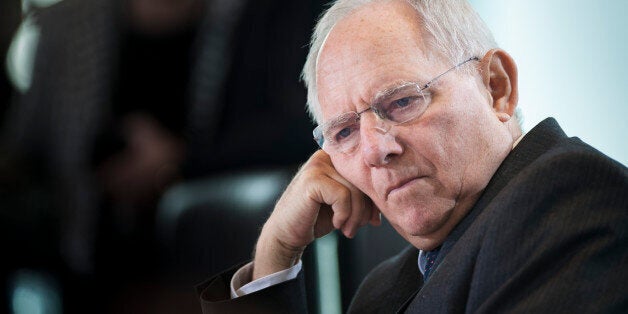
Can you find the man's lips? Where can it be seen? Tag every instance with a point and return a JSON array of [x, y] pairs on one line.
[[402, 184]]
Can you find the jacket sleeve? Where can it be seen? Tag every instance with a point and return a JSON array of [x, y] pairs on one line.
[[286, 297]]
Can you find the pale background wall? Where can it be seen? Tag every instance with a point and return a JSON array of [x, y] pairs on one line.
[[573, 64]]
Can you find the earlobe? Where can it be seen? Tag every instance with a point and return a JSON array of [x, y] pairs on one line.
[[499, 75], [502, 116]]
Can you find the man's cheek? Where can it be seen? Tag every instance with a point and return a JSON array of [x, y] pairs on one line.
[[346, 170]]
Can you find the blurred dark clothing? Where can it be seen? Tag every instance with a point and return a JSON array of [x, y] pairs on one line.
[[10, 11], [108, 104]]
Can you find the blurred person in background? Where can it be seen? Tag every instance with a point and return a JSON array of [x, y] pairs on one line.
[[10, 15], [128, 97], [9, 21]]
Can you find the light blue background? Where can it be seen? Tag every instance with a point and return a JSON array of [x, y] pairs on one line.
[[572, 57]]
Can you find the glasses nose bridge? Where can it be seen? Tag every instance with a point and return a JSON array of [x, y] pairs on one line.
[[375, 139], [380, 123]]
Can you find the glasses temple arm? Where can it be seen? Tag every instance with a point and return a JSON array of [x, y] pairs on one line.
[[451, 69]]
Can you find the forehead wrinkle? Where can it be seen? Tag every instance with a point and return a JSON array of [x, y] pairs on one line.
[[372, 92]]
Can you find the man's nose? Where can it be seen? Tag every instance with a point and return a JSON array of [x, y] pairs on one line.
[[378, 144]]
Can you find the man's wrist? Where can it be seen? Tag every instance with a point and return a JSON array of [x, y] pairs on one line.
[[272, 255]]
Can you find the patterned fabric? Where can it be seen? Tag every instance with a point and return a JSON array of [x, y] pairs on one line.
[[430, 258]]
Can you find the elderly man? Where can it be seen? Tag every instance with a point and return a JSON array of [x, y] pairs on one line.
[[416, 112]]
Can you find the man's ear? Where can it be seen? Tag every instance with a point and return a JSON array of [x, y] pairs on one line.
[[499, 75]]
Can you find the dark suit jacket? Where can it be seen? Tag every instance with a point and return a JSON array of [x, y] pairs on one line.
[[549, 234]]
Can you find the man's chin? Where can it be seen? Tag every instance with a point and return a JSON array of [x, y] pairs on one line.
[[422, 225]]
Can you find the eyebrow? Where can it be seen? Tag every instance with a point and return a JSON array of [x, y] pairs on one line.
[[391, 90]]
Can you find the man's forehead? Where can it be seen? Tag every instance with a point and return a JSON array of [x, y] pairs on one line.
[[374, 50], [375, 27]]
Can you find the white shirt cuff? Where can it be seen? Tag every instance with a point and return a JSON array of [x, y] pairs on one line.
[[240, 284]]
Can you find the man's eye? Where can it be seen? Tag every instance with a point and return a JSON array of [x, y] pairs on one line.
[[404, 108], [342, 134], [401, 103], [345, 134]]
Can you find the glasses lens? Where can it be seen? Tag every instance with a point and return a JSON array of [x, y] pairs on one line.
[[318, 136], [402, 105], [339, 134]]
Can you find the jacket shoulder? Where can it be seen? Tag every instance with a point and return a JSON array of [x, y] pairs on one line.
[[561, 222]]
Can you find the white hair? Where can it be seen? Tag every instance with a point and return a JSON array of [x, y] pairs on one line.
[[455, 32]]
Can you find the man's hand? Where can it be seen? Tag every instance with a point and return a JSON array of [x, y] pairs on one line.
[[317, 201]]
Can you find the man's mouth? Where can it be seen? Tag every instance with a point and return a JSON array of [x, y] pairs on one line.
[[401, 185]]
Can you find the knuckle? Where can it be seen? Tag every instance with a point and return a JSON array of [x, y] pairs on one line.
[[346, 192], [319, 159]]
